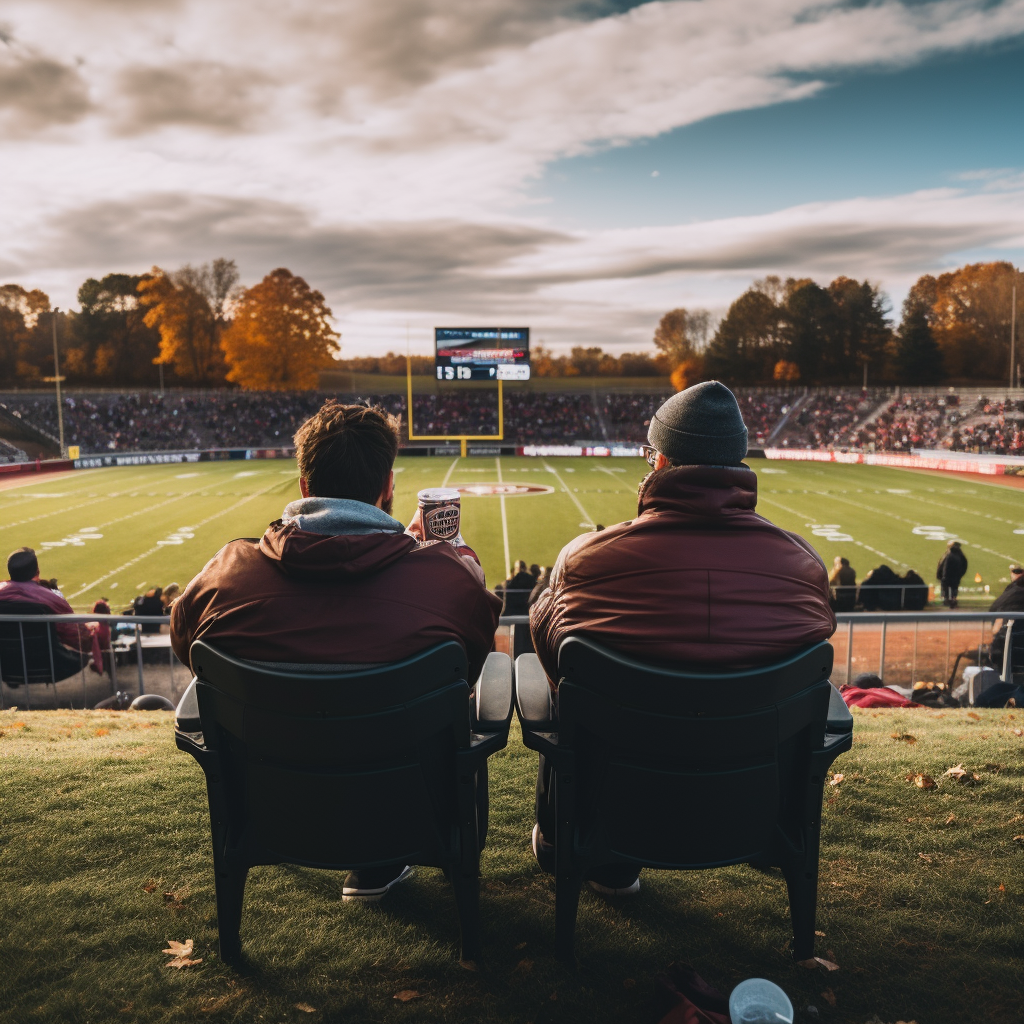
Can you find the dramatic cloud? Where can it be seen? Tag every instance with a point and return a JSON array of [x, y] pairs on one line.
[[384, 151]]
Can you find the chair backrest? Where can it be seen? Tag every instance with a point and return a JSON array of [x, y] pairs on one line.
[[1013, 650], [338, 769], [690, 768], [31, 652]]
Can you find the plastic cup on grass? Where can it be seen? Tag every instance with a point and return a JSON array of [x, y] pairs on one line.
[[758, 1001]]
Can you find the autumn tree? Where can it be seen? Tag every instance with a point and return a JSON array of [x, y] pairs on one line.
[[748, 342], [281, 336], [191, 309], [916, 356], [971, 319], [682, 334], [110, 341], [21, 356]]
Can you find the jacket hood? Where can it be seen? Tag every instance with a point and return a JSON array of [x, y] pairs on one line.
[[315, 555], [705, 491]]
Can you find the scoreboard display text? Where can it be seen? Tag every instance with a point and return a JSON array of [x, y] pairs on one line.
[[482, 353]]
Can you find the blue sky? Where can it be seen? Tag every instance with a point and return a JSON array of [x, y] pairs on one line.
[[426, 162], [875, 132]]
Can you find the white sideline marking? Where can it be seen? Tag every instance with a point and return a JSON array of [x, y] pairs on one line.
[[451, 469], [504, 524], [565, 487]]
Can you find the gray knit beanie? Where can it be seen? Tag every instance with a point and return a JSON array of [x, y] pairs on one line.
[[701, 426]]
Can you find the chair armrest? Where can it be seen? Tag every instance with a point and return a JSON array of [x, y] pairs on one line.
[[840, 718], [533, 695], [493, 692], [186, 716]]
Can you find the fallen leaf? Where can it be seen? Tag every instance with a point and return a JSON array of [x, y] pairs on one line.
[[102, 732], [525, 966], [820, 935], [956, 772], [628, 983], [1018, 732], [1002, 888], [950, 820], [921, 780], [407, 995], [971, 714], [305, 1007], [836, 779], [829, 996], [183, 961], [178, 948], [904, 736], [925, 858], [817, 961], [1019, 839], [150, 886]]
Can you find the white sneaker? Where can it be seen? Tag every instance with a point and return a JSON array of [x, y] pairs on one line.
[[356, 888]]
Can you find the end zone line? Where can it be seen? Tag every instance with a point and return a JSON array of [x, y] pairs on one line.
[[504, 523]]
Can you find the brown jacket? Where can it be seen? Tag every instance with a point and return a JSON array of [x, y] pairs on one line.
[[697, 578], [311, 598]]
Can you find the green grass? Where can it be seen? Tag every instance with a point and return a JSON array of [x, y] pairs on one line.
[[134, 508], [98, 807]]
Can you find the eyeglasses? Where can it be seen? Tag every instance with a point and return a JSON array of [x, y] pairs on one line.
[[650, 454], [1016, 572]]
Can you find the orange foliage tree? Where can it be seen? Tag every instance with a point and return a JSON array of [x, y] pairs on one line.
[[19, 315], [190, 308], [280, 338]]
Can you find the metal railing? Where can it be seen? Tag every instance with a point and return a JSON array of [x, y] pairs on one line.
[[120, 644]]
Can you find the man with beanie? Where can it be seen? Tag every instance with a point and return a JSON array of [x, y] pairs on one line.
[[698, 578]]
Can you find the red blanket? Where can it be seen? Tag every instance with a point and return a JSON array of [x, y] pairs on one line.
[[875, 697]]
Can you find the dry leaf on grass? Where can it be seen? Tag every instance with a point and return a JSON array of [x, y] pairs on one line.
[[950, 820], [829, 996], [904, 736], [628, 983], [150, 886], [1019, 839], [836, 779], [305, 1007], [921, 780], [971, 714], [102, 732], [1018, 732], [817, 961], [182, 954], [960, 774], [407, 995], [925, 857], [820, 935]]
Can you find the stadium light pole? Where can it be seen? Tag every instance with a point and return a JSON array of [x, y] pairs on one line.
[[56, 378]]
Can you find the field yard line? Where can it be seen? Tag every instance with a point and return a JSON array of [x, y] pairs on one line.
[[451, 469], [159, 547], [613, 475], [859, 543], [504, 524], [56, 512], [565, 487]]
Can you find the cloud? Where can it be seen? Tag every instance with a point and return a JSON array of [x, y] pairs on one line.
[[202, 94], [37, 92]]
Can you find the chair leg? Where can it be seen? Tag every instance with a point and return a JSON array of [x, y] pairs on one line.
[[467, 901], [802, 884], [230, 885], [567, 903]]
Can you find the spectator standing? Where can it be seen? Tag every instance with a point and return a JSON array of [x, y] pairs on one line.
[[843, 580], [337, 580], [950, 571], [697, 578]]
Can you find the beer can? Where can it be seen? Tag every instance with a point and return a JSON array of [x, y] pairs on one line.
[[441, 513]]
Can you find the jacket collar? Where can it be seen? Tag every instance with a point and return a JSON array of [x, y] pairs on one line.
[[336, 517], [699, 490]]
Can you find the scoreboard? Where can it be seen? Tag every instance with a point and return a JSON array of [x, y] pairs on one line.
[[482, 353]]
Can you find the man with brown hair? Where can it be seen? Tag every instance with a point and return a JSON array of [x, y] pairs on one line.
[[336, 580]]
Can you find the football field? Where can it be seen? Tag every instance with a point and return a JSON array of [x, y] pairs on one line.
[[116, 532]]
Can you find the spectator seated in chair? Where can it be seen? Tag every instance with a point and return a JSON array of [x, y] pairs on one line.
[[1010, 600], [337, 581], [26, 588], [697, 579]]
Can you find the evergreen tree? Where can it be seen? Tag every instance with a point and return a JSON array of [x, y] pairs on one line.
[[917, 358]]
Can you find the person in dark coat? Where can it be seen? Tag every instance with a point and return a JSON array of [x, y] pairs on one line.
[[950, 571], [1010, 600], [516, 591]]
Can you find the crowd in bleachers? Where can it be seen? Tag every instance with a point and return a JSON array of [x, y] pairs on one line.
[[149, 421]]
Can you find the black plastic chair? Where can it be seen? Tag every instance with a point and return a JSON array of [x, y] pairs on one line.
[[684, 770], [31, 652], [345, 769]]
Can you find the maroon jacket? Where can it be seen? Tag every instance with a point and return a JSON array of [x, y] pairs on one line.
[[698, 578], [71, 634], [302, 597]]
